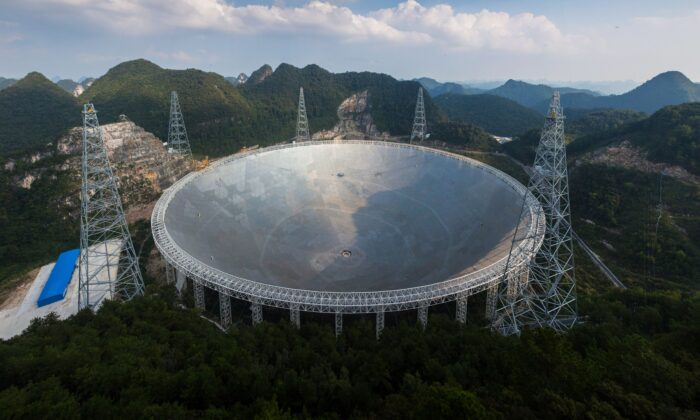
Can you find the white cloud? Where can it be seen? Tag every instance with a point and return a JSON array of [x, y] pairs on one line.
[[482, 30], [407, 23]]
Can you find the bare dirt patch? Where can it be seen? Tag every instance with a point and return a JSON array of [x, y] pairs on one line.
[[13, 291]]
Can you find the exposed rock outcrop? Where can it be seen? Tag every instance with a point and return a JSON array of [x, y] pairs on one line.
[[355, 122], [259, 75], [627, 156], [143, 166], [141, 163], [27, 181], [81, 87]]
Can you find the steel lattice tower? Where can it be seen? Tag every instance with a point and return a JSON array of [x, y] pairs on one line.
[[419, 126], [302, 121], [109, 267], [545, 295], [177, 133]]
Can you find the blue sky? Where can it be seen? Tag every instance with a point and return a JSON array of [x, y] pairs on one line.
[[449, 40]]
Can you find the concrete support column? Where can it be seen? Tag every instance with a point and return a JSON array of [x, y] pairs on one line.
[[294, 316], [491, 297], [380, 323], [257, 312], [338, 324], [198, 294], [180, 280], [225, 310], [462, 309], [423, 316]]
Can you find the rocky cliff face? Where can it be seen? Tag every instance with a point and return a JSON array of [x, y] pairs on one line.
[[139, 160], [239, 80], [81, 87], [260, 74], [355, 121]]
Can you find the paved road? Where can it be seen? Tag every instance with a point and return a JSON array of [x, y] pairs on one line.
[[596, 259]]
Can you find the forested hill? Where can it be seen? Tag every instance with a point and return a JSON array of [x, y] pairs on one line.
[[581, 122], [392, 102], [531, 95], [436, 88], [220, 118], [497, 115], [33, 112], [669, 88], [671, 135], [141, 90]]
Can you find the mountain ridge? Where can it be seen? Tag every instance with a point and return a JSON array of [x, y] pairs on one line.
[[529, 95], [436, 88], [664, 89]]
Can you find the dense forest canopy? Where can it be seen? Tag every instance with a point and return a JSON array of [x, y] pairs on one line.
[[633, 357], [580, 122]]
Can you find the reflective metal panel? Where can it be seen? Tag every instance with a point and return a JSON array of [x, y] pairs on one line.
[[345, 217]]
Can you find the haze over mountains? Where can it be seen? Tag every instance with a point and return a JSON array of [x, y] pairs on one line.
[[669, 88]]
